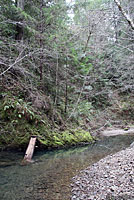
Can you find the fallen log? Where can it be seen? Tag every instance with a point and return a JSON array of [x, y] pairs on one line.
[[30, 150]]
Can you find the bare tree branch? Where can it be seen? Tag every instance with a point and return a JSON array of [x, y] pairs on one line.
[[18, 59], [127, 17]]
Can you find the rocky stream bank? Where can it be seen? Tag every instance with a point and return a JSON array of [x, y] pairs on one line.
[[112, 178]]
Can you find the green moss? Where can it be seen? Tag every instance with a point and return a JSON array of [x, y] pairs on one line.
[[18, 122], [16, 130], [18, 135], [67, 138]]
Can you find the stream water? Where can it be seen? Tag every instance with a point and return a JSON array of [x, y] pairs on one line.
[[49, 177]]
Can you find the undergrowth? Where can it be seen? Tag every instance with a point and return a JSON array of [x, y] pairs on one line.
[[19, 121]]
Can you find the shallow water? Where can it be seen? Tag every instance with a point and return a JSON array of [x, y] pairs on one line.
[[49, 177]]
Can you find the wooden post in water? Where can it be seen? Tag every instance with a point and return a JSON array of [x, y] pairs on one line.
[[30, 150]]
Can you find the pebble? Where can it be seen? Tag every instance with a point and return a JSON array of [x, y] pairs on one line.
[[110, 178]]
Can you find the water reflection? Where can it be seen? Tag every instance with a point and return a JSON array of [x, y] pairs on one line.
[[50, 176]]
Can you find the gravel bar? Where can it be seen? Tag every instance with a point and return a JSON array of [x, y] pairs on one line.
[[112, 178]]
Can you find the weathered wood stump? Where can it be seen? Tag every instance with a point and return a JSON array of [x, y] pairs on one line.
[[30, 150]]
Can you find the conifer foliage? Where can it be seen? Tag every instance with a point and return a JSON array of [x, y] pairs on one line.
[[71, 60]]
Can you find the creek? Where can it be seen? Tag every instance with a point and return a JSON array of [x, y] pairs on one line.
[[49, 177]]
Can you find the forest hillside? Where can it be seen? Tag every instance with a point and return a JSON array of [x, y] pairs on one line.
[[66, 70]]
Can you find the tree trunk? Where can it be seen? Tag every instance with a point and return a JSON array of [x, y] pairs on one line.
[[56, 81], [30, 150], [41, 41], [66, 89], [20, 4], [19, 32], [19, 25]]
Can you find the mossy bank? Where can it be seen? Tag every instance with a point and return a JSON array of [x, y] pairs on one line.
[[19, 121]]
